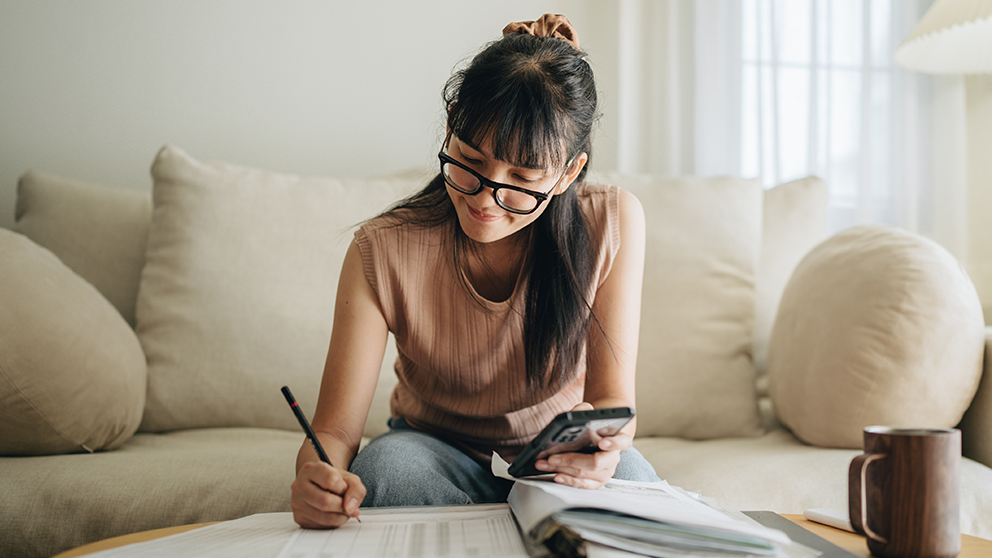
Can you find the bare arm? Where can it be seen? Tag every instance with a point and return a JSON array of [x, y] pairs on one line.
[[612, 359], [612, 352], [326, 496]]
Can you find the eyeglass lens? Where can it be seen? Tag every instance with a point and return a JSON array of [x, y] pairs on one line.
[[467, 183]]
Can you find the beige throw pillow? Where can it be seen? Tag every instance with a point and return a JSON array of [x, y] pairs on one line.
[[72, 374], [695, 374], [237, 294], [876, 326], [99, 232]]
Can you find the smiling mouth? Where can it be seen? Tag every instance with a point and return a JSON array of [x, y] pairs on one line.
[[484, 217]]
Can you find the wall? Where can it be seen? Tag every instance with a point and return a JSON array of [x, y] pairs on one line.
[[91, 90], [978, 94]]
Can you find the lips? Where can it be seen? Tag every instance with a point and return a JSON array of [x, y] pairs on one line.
[[480, 216]]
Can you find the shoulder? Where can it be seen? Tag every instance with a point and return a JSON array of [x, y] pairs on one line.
[[387, 241], [590, 193], [611, 210], [631, 215], [610, 197], [382, 222], [599, 203]]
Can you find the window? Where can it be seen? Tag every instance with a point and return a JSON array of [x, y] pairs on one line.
[[820, 94]]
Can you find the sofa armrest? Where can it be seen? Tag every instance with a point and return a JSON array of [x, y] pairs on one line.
[[976, 426]]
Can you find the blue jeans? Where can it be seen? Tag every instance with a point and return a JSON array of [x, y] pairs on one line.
[[407, 467]]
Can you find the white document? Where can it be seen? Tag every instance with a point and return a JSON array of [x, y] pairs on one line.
[[256, 535], [480, 531]]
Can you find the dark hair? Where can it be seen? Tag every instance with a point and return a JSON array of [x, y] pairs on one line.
[[534, 100]]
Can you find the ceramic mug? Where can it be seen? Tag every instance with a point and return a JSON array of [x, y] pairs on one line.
[[903, 492]]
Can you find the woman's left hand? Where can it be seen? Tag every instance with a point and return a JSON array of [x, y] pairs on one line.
[[587, 470]]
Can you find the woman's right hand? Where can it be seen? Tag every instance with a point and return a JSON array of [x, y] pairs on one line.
[[325, 497]]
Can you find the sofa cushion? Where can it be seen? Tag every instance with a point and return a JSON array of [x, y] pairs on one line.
[[99, 232], [976, 425], [60, 502], [695, 374], [237, 294], [876, 326], [72, 374], [794, 220]]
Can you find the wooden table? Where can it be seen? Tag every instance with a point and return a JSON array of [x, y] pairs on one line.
[[971, 547], [124, 540]]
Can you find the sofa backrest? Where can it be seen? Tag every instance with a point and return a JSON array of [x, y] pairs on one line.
[[720, 252]]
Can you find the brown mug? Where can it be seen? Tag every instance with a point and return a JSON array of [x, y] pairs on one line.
[[903, 492]]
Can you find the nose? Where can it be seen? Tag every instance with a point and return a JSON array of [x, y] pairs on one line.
[[486, 198]]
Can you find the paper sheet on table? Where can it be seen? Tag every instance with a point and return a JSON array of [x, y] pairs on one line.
[[481, 531], [257, 535], [501, 469]]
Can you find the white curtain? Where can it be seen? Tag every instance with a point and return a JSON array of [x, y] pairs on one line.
[[642, 53], [782, 89]]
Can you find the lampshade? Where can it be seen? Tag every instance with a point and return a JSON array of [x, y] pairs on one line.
[[953, 37]]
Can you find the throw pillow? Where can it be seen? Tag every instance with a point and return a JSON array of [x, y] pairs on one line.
[[72, 374], [695, 373], [237, 293], [876, 326], [99, 232]]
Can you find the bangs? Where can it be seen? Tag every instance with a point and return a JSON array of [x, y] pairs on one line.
[[515, 115]]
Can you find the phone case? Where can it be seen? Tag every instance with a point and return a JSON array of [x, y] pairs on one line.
[[572, 432]]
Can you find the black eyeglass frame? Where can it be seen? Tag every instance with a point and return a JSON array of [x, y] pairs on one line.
[[541, 197]]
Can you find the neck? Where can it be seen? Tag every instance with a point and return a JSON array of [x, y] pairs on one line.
[[494, 267]]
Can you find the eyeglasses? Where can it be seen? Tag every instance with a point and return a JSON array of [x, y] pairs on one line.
[[511, 198]]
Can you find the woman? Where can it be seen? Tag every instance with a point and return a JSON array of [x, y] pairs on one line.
[[512, 289]]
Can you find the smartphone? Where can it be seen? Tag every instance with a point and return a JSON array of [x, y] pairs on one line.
[[571, 432]]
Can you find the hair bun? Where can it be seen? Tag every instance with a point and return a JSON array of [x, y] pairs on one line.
[[548, 25]]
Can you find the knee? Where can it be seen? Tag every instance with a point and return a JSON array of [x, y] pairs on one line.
[[398, 470], [634, 467], [398, 455]]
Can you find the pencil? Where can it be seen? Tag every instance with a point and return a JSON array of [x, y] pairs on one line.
[[306, 428]]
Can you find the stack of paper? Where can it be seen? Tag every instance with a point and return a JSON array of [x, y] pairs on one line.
[[651, 538], [650, 519]]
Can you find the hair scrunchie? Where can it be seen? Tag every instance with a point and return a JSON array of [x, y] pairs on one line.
[[548, 25]]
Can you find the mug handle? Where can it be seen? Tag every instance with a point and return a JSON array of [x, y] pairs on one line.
[[857, 501]]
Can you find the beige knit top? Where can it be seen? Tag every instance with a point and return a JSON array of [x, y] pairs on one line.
[[461, 356]]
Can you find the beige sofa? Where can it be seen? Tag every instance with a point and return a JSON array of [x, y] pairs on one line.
[[143, 341]]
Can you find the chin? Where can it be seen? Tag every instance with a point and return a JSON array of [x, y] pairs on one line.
[[483, 233]]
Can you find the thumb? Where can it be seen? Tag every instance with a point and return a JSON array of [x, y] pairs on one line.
[[353, 496]]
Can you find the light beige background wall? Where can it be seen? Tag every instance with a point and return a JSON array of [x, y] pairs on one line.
[[92, 89], [978, 95]]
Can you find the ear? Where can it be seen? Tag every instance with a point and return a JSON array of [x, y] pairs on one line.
[[573, 171]]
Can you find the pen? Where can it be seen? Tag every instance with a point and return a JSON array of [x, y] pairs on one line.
[[306, 428]]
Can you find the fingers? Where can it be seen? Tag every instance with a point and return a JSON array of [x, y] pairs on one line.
[[578, 482], [619, 442], [324, 497], [601, 464], [586, 470]]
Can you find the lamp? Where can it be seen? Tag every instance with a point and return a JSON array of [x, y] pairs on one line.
[[953, 37]]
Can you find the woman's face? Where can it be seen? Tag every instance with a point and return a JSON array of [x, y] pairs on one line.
[[481, 218]]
